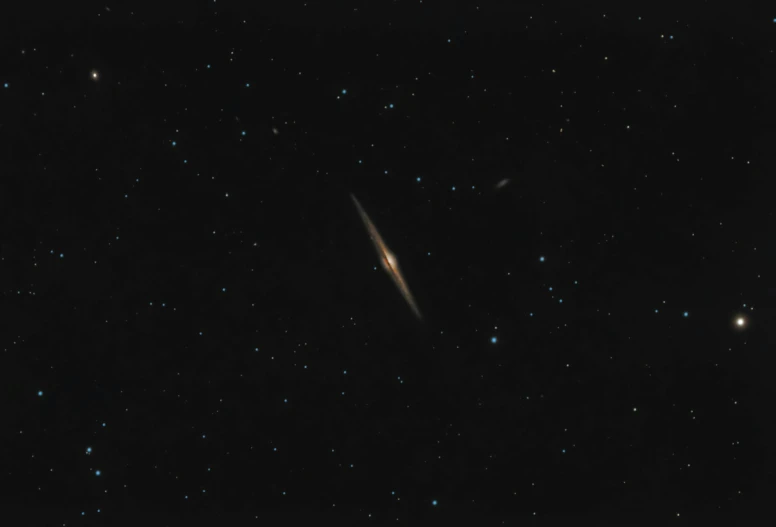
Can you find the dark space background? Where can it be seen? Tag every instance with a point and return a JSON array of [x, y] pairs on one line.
[[196, 328]]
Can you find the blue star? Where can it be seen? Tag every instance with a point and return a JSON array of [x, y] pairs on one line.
[[685, 314], [434, 503], [97, 472], [40, 394], [344, 92], [493, 340], [541, 258]]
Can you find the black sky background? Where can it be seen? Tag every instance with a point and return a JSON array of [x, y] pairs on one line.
[[212, 294]]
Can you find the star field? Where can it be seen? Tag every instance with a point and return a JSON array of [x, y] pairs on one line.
[[198, 329]]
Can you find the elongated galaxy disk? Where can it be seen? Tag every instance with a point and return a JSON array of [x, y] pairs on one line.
[[387, 259]]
